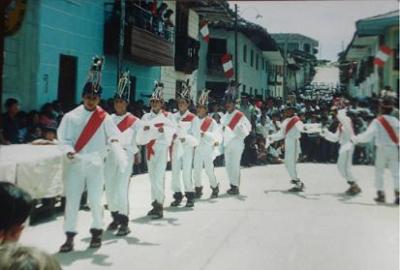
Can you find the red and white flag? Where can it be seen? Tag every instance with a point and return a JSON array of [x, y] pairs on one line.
[[382, 55], [205, 32], [226, 60]]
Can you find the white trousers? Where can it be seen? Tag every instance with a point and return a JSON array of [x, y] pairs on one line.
[[386, 156], [157, 166], [183, 163], [292, 152], [77, 174], [117, 185], [344, 163], [204, 156], [233, 154]]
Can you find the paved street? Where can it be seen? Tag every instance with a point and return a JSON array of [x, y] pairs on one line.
[[264, 228]]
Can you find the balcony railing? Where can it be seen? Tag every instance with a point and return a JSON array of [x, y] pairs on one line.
[[214, 65], [149, 40]]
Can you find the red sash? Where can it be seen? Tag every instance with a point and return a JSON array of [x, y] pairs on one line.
[[149, 146], [206, 124], [235, 120], [127, 122], [389, 129], [90, 129], [188, 118], [291, 124]]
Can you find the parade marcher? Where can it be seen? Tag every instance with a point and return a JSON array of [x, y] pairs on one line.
[[84, 134], [291, 129], [208, 133], [116, 180], [236, 127], [156, 134], [384, 130], [343, 134], [183, 149]]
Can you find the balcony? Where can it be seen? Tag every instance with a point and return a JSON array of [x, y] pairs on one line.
[[187, 54], [214, 65], [149, 40]]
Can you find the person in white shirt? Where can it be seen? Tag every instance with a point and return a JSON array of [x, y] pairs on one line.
[[156, 134], [384, 130], [183, 149], [208, 134], [235, 127], [291, 129], [84, 135], [343, 134], [116, 180]]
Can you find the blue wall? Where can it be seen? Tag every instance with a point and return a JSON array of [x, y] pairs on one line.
[[74, 28]]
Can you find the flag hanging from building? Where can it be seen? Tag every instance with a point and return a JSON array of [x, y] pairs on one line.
[[382, 56], [226, 60], [204, 31]]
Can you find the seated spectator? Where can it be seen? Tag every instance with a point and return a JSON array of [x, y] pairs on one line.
[[49, 136], [10, 125], [17, 257], [47, 115], [22, 127], [15, 208]]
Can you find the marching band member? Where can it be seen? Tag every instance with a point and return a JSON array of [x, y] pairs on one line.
[[291, 129], [84, 134], [236, 127], [156, 134], [384, 130], [208, 133], [183, 149], [343, 135], [117, 181]]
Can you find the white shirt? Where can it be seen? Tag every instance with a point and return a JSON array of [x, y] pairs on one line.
[[164, 138], [128, 137], [293, 134], [376, 131], [211, 136], [72, 125]]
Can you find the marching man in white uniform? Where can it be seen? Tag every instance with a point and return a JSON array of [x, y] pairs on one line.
[[208, 133], [385, 131], [343, 135], [291, 129], [84, 135], [236, 127], [116, 180], [183, 149], [156, 134]]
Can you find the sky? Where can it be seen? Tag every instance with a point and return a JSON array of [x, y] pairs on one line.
[[332, 23]]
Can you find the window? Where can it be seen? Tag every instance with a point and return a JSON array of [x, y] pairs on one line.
[[244, 88], [251, 58], [245, 53], [251, 91], [307, 47], [255, 92], [262, 65], [257, 62], [396, 58]]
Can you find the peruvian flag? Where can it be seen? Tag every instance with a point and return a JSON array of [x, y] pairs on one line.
[[382, 56], [226, 60], [204, 31]]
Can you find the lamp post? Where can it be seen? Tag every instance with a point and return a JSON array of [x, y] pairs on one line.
[[2, 18], [121, 40]]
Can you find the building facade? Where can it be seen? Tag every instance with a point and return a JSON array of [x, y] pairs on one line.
[[359, 74]]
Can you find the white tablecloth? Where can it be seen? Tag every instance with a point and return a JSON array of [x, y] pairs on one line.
[[35, 168]]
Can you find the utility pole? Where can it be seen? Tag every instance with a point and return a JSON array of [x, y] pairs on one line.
[[121, 39], [236, 45], [285, 90]]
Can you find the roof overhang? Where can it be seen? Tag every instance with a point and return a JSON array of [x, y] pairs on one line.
[[274, 57]]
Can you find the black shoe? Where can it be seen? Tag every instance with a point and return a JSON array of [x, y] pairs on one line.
[[123, 228], [178, 196], [198, 192], [190, 199], [68, 246], [234, 190], [380, 197], [353, 190], [215, 192], [95, 242], [298, 186], [115, 223], [157, 211]]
